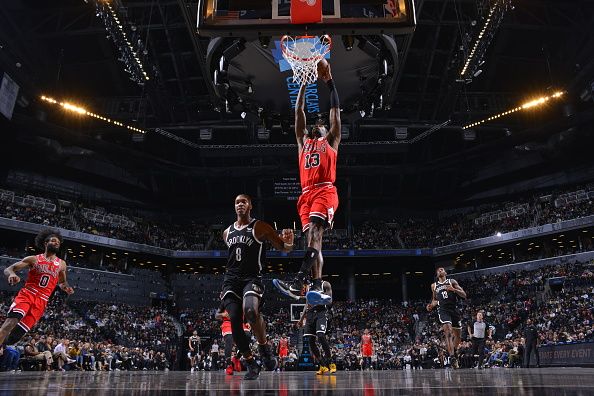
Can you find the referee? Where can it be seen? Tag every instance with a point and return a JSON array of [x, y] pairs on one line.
[[478, 333]]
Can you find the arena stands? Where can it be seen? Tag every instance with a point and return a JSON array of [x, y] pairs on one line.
[[406, 232], [137, 337]]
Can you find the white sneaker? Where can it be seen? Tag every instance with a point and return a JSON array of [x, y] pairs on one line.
[[192, 370], [70, 361]]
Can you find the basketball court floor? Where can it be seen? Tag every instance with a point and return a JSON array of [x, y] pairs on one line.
[[543, 381]]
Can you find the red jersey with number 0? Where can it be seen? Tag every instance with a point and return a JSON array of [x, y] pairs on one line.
[[43, 276], [283, 344], [317, 163]]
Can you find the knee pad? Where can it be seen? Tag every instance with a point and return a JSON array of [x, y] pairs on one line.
[[15, 335]]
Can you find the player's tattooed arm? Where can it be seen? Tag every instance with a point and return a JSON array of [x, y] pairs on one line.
[[265, 232], [456, 288], [62, 281], [300, 117], [11, 270]]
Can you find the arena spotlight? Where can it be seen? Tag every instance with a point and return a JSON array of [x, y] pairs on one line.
[[348, 42], [82, 111], [528, 105], [129, 48]]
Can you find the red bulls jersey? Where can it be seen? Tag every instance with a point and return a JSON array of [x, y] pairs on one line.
[[283, 344], [317, 163], [366, 340], [43, 277]]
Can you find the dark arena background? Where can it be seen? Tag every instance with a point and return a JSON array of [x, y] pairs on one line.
[[131, 126]]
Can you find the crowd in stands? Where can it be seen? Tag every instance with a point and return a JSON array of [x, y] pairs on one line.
[[97, 337], [407, 232], [479, 222], [86, 335], [406, 336]]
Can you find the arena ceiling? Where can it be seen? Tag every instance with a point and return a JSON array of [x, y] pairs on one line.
[[541, 46]]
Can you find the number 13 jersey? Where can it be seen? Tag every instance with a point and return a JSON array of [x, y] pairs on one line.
[[246, 252], [446, 299], [317, 162]]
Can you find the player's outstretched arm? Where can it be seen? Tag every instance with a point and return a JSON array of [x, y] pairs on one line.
[[265, 232], [325, 73], [62, 281], [10, 271], [300, 117]]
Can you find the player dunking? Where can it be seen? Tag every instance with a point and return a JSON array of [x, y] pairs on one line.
[[318, 151], [445, 293], [316, 324], [242, 285], [45, 271]]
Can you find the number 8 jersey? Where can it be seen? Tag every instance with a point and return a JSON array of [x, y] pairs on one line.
[[43, 277], [317, 162], [246, 252]]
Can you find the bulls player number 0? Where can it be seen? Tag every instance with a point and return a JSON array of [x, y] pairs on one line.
[[44, 281]]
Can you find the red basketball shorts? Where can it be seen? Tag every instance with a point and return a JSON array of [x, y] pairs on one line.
[[320, 202], [28, 308], [366, 351], [283, 353]]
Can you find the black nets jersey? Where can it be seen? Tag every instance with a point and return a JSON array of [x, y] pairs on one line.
[[195, 342], [246, 253], [446, 299]]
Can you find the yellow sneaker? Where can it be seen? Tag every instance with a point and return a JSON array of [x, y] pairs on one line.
[[332, 368], [322, 370]]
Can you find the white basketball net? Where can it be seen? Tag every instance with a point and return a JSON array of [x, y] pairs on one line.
[[303, 54]]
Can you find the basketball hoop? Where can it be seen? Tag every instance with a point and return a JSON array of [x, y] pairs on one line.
[[303, 54]]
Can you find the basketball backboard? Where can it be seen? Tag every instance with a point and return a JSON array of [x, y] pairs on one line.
[[247, 18]]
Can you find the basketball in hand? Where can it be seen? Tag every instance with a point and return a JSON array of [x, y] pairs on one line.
[[324, 70]]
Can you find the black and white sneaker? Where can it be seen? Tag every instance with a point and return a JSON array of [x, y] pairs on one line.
[[293, 290], [253, 369]]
